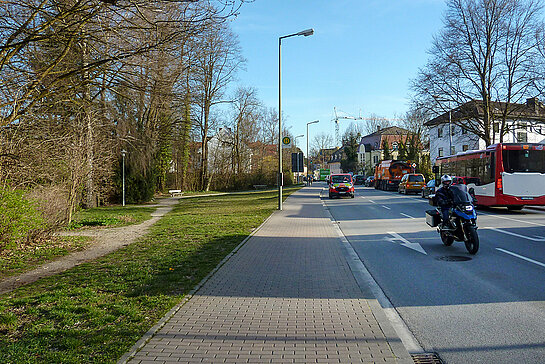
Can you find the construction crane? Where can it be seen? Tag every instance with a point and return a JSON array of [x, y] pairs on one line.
[[336, 120]]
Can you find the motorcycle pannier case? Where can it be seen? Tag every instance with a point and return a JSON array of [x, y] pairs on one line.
[[433, 218]]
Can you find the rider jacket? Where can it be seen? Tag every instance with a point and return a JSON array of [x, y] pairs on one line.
[[444, 197]]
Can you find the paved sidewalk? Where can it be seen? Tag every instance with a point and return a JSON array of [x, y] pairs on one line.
[[286, 296]]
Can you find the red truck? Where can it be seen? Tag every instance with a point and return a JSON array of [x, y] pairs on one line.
[[388, 174]]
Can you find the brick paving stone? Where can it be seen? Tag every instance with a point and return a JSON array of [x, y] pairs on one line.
[[287, 295]]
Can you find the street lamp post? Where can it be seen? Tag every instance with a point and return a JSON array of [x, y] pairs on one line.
[[123, 153], [305, 33], [308, 158]]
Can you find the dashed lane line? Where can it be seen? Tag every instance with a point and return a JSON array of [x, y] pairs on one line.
[[521, 257]]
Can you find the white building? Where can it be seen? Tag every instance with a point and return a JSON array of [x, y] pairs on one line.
[[525, 124]]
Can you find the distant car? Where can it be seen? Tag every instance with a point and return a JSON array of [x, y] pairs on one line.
[[341, 185], [370, 181], [359, 179], [429, 189], [412, 182], [465, 180]]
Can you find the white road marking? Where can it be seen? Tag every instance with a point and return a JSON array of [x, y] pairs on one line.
[[386, 207], [521, 257], [409, 216], [517, 235], [408, 244]]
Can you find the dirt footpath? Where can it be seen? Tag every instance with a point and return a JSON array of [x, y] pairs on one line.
[[105, 242]]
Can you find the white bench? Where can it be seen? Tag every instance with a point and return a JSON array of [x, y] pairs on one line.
[[174, 193]]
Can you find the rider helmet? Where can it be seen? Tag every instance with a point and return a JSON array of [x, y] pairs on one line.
[[446, 181]]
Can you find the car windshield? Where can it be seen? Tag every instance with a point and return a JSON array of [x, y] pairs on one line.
[[416, 178], [460, 194], [340, 179]]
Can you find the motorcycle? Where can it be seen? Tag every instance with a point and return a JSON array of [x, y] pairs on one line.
[[462, 218]]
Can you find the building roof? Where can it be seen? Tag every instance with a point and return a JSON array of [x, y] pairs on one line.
[[533, 109], [391, 130]]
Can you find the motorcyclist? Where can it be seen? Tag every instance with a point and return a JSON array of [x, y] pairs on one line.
[[445, 200]]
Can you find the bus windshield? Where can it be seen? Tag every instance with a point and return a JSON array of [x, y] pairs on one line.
[[524, 161]]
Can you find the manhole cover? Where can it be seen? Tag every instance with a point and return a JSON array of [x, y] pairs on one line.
[[454, 258]]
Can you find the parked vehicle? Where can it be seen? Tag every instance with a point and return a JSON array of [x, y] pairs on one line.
[[388, 174], [412, 182], [341, 185], [359, 179], [462, 217], [430, 187], [370, 181]]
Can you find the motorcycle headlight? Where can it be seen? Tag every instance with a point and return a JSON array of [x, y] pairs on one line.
[[469, 208]]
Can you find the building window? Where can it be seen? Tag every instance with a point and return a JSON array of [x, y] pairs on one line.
[[440, 152], [522, 137], [522, 125], [465, 147], [440, 131], [452, 150], [375, 159]]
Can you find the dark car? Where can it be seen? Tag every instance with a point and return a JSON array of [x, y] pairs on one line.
[[359, 179], [430, 187], [370, 181]]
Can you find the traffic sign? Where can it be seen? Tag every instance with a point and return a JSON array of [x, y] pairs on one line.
[[286, 142]]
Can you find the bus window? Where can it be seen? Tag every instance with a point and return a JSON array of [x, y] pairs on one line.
[[524, 161]]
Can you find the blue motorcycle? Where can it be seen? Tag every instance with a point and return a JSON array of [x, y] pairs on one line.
[[462, 218]]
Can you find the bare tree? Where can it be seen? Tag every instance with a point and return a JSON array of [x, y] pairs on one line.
[[215, 67], [373, 123], [486, 55], [321, 142], [80, 80]]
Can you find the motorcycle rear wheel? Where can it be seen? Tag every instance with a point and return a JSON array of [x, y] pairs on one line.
[[446, 239], [472, 242]]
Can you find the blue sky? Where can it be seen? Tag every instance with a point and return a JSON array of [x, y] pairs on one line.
[[360, 59]]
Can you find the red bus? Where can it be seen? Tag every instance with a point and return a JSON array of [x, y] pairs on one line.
[[509, 174]]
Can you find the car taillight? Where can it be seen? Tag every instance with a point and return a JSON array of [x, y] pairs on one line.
[[499, 184]]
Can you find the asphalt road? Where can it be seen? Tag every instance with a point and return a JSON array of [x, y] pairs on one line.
[[487, 309]]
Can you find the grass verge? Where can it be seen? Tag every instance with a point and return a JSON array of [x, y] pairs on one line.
[[25, 257], [95, 312], [111, 216]]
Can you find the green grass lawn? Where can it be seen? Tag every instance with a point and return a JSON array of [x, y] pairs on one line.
[[95, 312], [22, 258], [111, 216]]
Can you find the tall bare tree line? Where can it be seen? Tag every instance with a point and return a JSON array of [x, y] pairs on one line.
[[82, 80]]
